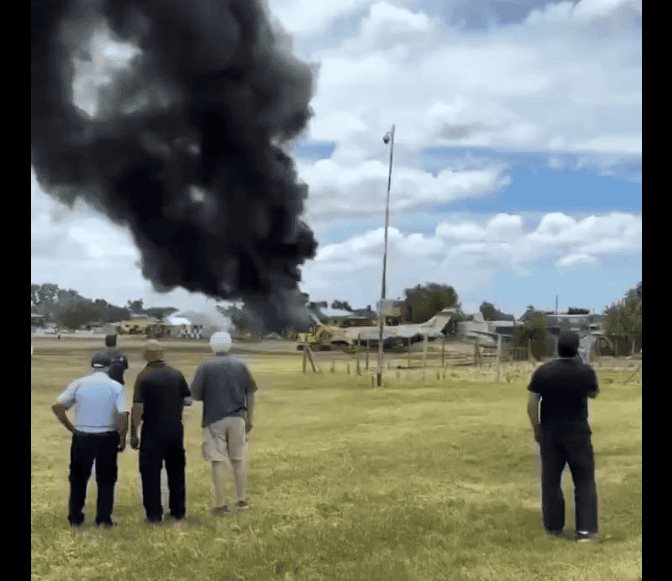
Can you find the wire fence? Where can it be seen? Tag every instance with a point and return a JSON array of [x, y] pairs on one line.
[[441, 359]]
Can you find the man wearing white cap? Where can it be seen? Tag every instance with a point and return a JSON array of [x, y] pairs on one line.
[[226, 388]]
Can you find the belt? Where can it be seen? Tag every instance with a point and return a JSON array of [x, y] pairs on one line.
[[79, 433]]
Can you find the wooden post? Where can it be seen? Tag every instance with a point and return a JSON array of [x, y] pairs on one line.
[[333, 366], [358, 369], [309, 355], [348, 368], [367, 354], [305, 357], [499, 355], [424, 352], [443, 352], [409, 353]]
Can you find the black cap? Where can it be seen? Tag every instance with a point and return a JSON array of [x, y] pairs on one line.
[[568, 344], [101, 360], [110, 340]]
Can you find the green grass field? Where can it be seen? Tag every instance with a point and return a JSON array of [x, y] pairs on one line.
[[422, 480]]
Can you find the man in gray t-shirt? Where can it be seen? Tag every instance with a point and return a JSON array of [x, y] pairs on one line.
[[227, 390]]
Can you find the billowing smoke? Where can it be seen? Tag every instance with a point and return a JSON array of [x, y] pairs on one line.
[[185, 142]]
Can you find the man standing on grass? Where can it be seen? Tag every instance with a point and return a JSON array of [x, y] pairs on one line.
[[564, 437], [227, 390], [119, 360], [158, 400], [99, 434]]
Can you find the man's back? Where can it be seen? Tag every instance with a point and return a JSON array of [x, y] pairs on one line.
[[223, 384], [97, 399], [161, 389], [564, 385]]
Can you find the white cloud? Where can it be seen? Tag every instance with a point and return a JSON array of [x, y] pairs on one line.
[[469, 254], [575, 260], [340, 188], [564, 80], [309, 18]]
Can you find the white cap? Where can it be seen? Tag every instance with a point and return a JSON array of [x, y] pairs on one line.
[[220, 342]]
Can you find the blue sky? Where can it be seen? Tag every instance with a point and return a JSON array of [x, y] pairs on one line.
[[517, 172], [535, 188]]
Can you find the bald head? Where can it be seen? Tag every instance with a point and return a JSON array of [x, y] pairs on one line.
[[153, 351]]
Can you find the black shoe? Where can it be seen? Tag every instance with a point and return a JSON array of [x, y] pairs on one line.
[[76, 525], [554, 533], [153, 521], [582, 537], [242, 505], [176, 517]]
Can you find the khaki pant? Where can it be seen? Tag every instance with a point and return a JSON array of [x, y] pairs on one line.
[[224, 440]]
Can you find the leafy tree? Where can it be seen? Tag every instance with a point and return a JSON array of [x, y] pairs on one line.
[[624, 318], [491, 313], [74, 315], [534, 332], [424, 301], [136, 307]]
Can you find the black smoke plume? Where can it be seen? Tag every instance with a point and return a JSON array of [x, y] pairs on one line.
[[188, 146]]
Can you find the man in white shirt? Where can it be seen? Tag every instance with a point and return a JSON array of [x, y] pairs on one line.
[[98, 434]]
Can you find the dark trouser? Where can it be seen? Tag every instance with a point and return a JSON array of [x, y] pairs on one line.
[[85, 448], [156, 449], [568, 444]]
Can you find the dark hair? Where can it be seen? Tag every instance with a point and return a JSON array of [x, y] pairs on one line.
[[110, 340], [568, 344]]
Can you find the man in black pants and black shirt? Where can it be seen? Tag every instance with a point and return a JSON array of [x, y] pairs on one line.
[[119, 362], [564, 437], [158, 400]]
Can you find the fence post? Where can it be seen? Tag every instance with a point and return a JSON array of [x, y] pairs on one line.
[[499, 355], [443, 352], [424, 352], [367, 354], [409, 353], [305, 356]]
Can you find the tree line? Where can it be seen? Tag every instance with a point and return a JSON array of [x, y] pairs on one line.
[[69, 309]]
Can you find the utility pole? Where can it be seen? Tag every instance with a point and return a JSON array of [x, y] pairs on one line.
[[388, 138]]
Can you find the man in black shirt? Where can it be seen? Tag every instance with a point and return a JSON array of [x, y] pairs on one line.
[[158, 400], [119, 361], [564, 437]]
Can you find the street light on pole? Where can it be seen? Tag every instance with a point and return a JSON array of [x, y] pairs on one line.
[[388, 139]]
